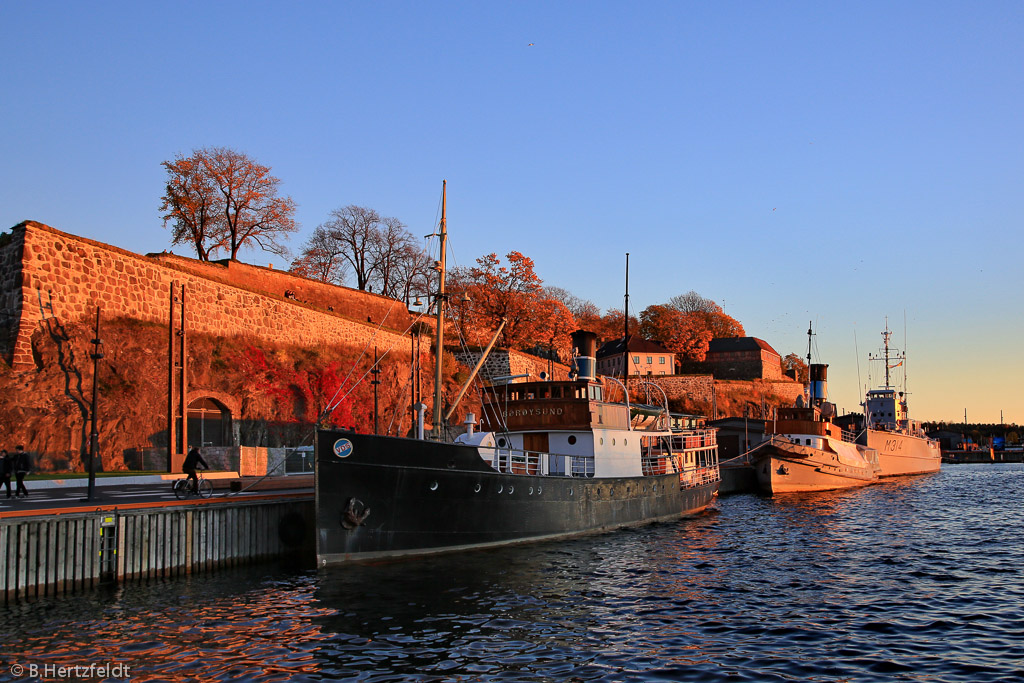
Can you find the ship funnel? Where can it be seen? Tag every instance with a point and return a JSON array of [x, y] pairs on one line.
[[584, 362], [819, 383]]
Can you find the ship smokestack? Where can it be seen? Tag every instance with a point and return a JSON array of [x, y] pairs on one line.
[[819, 383], [584, 360]]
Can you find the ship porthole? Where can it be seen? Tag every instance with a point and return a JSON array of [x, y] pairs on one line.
[[501, 442], [500, 488], [433, 486], [625, 442], [476, 489], [572, 439], [539, 489], [613, 442], [511, 489], [531, 490], [570, 492]]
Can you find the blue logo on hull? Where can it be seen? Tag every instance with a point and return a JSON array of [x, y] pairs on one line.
[[343, 448]]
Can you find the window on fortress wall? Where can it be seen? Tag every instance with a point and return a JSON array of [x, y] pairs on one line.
[[209, 423]]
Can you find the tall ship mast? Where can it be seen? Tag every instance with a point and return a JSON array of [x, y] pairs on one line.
[[903, 447]]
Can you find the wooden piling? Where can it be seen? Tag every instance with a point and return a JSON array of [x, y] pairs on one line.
[[74, 552]]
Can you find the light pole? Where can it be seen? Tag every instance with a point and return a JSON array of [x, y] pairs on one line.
[[376, 382], [94, 439]]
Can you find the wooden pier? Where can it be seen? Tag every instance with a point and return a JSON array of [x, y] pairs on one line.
[[47, 554]]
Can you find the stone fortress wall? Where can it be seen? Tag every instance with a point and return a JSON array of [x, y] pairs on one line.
[[46, 273], [50, 274]]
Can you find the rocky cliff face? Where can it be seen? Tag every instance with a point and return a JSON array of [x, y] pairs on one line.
[[275, 392]]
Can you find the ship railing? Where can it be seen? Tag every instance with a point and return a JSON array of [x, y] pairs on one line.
[[849, 437], [514, 461], [655, 461], [699, 476], [694, 438], [696, 465]]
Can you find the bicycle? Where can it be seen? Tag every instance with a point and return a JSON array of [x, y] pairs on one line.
[[183, 488]]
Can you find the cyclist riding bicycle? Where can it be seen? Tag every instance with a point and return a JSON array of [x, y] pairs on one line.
[[189, 467]]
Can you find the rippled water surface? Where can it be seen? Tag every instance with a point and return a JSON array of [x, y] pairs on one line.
[[914, 580]]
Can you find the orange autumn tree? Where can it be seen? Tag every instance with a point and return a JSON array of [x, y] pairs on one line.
[[555, 323], [683, 333], [611, 325], [491, 291], [191, 207], [715, 319], [218, 198]]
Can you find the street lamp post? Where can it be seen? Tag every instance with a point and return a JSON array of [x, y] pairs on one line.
[[94, 439]]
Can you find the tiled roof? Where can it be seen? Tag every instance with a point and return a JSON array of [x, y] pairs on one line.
[[732, 344]]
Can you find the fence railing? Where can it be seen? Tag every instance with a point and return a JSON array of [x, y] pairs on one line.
[[703, 469]]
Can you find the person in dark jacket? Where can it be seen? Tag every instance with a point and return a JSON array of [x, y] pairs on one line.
[[189, 466], [22, 466], [6, 469]]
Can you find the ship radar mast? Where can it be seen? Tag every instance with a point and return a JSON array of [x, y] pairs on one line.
[[885, 340]]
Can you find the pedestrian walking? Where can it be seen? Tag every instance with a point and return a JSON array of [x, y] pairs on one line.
[[6, 469], [22, 466]]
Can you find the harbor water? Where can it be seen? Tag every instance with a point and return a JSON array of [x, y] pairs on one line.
[[920, 579]]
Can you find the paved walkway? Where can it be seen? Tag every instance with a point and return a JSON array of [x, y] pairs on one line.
[[54, 497]]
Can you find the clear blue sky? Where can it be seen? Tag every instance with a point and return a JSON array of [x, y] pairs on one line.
[[834, 162]]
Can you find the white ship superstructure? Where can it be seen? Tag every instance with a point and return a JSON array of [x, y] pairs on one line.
[[903, 447]]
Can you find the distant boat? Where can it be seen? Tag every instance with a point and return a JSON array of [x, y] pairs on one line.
[[903, 447], [555, 459], [806, 451]]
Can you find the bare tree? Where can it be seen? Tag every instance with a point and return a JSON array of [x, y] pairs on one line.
[[355, 228], [577, 306], [322, 258], [382, 254], [413, 273], [392, 244], [692, 302]]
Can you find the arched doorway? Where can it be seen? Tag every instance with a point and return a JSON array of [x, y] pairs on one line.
[[209, 423]]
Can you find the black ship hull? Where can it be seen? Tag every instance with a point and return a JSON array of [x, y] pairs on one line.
[[380, 497]]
